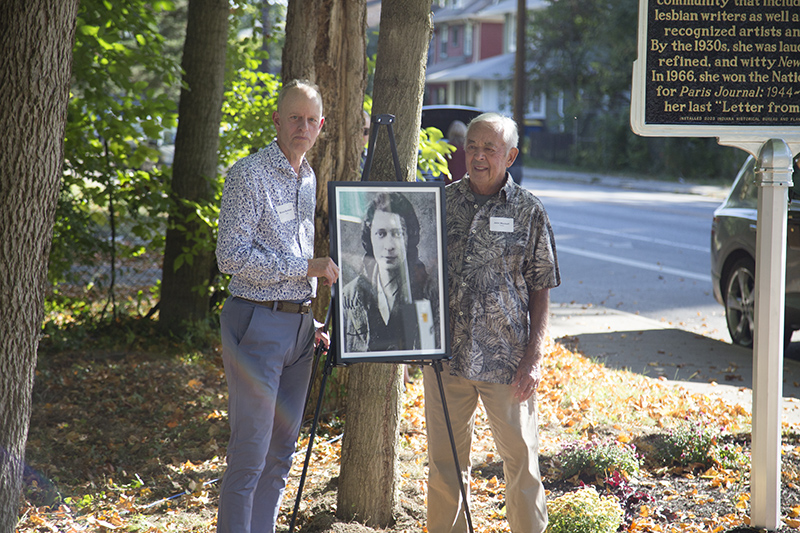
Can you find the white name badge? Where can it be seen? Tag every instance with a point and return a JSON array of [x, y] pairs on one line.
[[286, 212], [506, 225]]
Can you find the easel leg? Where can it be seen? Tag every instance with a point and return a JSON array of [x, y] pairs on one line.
[[326, 372], [437, 366]]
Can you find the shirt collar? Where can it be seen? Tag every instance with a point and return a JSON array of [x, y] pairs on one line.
[[506, 191], [280, 158]]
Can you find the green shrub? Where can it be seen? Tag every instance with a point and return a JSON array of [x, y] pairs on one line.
[[597, 457], [584, 511]]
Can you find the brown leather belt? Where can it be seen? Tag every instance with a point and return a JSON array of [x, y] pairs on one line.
[[285, 307]]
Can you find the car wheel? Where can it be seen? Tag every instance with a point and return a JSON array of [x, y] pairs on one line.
[[740, 300]]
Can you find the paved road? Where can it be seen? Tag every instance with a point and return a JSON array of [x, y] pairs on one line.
[[640, 251], [698, 362]]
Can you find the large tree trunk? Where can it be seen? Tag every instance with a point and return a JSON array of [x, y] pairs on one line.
[[36, 46], [405, 31], [368, 482], [334, 57], [184, 291]]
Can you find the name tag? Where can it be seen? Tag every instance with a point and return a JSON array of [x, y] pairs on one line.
[[286, 212], [506, 225]]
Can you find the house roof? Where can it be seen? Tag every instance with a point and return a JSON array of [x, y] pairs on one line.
[[494, 68], [484, 10], [466, 12], [510, 6]]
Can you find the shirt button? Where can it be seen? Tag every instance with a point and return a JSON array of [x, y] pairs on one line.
[[463, 283], [474, 230], [469, 258], [475, 206], [461, 313]]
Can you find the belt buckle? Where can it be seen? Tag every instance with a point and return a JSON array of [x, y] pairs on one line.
[[291, 307]]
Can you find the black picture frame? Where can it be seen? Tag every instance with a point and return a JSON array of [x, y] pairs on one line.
[[407, 320]]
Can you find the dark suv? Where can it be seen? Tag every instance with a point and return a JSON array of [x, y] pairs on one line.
[[733, 252], [441, 116]]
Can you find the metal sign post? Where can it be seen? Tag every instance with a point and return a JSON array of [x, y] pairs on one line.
[[774, 173], [728, 70]]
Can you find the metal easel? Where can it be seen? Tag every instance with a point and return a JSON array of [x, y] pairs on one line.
[[378, 121]]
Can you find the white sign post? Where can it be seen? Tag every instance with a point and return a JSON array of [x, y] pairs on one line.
[[774, 173], [729, 70]]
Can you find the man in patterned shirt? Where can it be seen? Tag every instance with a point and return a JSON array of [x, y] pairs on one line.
[[266, 243], [501, 266]]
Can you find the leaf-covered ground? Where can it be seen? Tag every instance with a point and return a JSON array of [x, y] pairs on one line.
[[135, 441]]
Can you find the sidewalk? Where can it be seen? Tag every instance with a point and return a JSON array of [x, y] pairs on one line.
[[594, 178], [631, 342], [696, 363]]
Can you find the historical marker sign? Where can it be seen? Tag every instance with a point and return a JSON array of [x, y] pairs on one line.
[[705, 66], [731, 69]]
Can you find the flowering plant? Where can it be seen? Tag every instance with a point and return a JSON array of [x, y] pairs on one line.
[[598, 457], [584, 511]]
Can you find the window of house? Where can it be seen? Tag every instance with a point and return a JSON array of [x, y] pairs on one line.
[[468, 39], [441, 95], [443, 35], [462, 94], [536, 103], [511, 25], [454, 37]]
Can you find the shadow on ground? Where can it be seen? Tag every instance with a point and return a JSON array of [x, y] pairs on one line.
[[700, 364]]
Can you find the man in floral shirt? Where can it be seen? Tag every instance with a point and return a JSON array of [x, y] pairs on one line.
[[266, 244], [501, 266]]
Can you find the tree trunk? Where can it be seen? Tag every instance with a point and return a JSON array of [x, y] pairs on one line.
[[368, 482], [339, 41], [405, 31], [368, 475], [36, 47], [184, 291]]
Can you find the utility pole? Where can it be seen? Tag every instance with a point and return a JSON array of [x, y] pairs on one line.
[[519, 73]]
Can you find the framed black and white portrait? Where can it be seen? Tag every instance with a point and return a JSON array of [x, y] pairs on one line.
[[388, 239]]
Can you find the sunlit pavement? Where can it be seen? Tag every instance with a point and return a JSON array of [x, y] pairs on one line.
[[697, 363]]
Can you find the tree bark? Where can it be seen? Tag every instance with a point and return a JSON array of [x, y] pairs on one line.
[[405, 32], [334, 58], [368, 474], [36, 46], [184, 291], [368, 481]]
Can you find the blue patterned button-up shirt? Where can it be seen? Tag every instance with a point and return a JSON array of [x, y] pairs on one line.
[[266, 227], [496, 254]]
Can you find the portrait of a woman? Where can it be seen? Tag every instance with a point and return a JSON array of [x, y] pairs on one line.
[[392, 304]]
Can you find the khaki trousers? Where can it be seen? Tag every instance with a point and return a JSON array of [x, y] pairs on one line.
[[515, 432]]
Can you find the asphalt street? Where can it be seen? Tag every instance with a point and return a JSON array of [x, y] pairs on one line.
[[621, 340]]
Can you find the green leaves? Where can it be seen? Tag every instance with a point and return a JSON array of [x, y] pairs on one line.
[[117, 113], [433, 153], [247, 114]]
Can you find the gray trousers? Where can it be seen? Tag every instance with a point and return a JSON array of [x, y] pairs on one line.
[[515, 432], [268, 357]]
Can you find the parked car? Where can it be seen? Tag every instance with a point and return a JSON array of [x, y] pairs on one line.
[[441, 116], [733, 252]]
